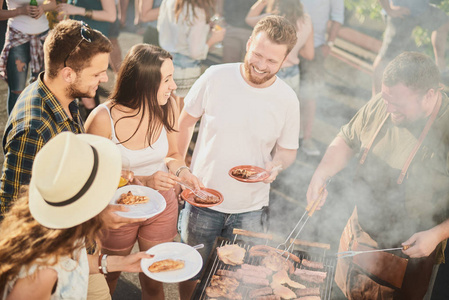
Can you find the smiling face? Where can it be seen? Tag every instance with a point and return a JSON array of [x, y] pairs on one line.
[[263, 60], [167, 85], [88, 79], [404, 104]]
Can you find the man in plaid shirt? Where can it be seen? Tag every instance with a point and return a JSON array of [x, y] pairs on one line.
[[76, 60]]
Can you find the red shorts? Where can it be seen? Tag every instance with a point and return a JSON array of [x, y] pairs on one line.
[[161, 227]]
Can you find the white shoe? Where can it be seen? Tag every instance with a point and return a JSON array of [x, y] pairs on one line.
[[309, 148]]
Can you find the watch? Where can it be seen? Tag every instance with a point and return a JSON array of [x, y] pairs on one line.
[[330, 43]]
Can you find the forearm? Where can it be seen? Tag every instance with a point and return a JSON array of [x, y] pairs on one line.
[[335, 159], [284, 157], [11, 13], [254, 14], [441, 230], [149, 15], [186, 127], [49, 6], [333, 31]]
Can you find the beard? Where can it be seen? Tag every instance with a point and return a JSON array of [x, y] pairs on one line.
[[73, 92], [256, 80]]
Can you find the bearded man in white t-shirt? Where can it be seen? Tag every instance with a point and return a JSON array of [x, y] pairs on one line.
[[248, 117]]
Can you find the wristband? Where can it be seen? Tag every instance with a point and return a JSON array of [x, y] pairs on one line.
[[99, 264], [180, 170], [88, 13], [104, 265]]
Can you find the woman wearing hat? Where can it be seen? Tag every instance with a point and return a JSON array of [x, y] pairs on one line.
[[142, 119], [44, 235]]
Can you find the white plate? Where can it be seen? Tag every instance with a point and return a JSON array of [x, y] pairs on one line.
[[154, 206], [191, 257]]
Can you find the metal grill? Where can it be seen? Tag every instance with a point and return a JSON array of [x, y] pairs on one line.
[[213, 264]]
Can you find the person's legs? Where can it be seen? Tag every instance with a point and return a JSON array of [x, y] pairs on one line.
[[199, 225], [17, 72]]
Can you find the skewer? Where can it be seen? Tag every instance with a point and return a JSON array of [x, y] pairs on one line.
[[310, 209]]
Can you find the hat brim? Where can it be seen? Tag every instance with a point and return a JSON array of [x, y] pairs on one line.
[[93, 201]]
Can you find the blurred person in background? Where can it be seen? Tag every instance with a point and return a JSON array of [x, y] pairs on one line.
[[141, 118], [184, 31], [23, 53], [293, 11], [45, 234], [148, 12], [401, 140], [100, 15], [403, 16], [312, 72], [248, 117], [237, 31]]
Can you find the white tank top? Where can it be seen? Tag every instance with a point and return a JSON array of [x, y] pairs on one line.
[[146, 161]]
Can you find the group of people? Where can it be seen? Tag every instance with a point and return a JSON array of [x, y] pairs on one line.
[[59, 173]]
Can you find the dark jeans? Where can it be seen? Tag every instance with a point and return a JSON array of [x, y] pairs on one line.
[[441, 285], [17, 70]]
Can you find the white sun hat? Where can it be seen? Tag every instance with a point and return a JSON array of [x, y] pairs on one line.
[[74, 177]]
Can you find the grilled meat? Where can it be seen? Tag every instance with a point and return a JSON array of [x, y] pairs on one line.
[[311, 276], [308, 292], [209, 199], [276, 262], [260, 292], [282, 277], [255, 280], [231, 254], [309, 298], [317, 265], [130, 199], [258, 250], [222, 286], [243, 173], [166, 265], [268, 297], [282, 291], [259, 269], [240, 273]]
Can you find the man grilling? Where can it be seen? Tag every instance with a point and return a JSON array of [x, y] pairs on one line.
[[401, 137]]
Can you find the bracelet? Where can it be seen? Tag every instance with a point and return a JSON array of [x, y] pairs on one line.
[[88, 13], [180, 170], [104, 265], [99, 264]]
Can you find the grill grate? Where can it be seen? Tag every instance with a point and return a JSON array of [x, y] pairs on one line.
[[213, 264]]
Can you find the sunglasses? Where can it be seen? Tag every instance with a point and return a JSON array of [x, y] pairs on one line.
[[86, 35]]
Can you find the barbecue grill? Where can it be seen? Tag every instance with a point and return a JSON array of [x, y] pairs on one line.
[[214, 263]]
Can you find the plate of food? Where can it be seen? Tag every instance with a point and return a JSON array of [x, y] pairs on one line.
[[142, 201], [213, 197], [248, 173], [172, 262]]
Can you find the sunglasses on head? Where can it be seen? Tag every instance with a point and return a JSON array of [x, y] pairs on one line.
[[86, 35]]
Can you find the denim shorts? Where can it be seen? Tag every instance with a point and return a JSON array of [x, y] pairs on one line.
[[203, 225], [291, 77]]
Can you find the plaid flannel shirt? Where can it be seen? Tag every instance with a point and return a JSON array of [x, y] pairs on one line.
[[36, 118], [15, 38]]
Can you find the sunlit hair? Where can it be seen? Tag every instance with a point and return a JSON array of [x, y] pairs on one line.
[[63, 39], [23, 241], [136, 87], [415, 70], [207, 5], [278, 29], [292, 10]]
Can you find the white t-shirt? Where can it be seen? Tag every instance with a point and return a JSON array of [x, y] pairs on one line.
[[24, 23], [187, 37], [240, 125]]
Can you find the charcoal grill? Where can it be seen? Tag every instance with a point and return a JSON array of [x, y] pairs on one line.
[[213, 264]]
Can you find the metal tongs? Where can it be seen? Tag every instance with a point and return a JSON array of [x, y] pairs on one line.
[[310, 209], [198, 193], [353, 253]]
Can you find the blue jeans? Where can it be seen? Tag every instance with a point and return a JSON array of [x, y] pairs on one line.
[[203, 225], [17, 70]]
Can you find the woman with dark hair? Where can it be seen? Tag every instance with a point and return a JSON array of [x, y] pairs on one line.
[[141, 117], [45, 234]]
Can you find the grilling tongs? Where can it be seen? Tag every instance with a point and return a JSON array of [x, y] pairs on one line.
[[353, 253], [310, 209]]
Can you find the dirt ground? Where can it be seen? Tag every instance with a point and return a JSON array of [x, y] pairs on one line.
[[347, 89]]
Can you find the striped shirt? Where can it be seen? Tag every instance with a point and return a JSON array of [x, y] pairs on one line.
[[36, 118]]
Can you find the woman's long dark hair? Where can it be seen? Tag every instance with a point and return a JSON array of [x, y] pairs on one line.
[[137, 84], [292, 10]]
